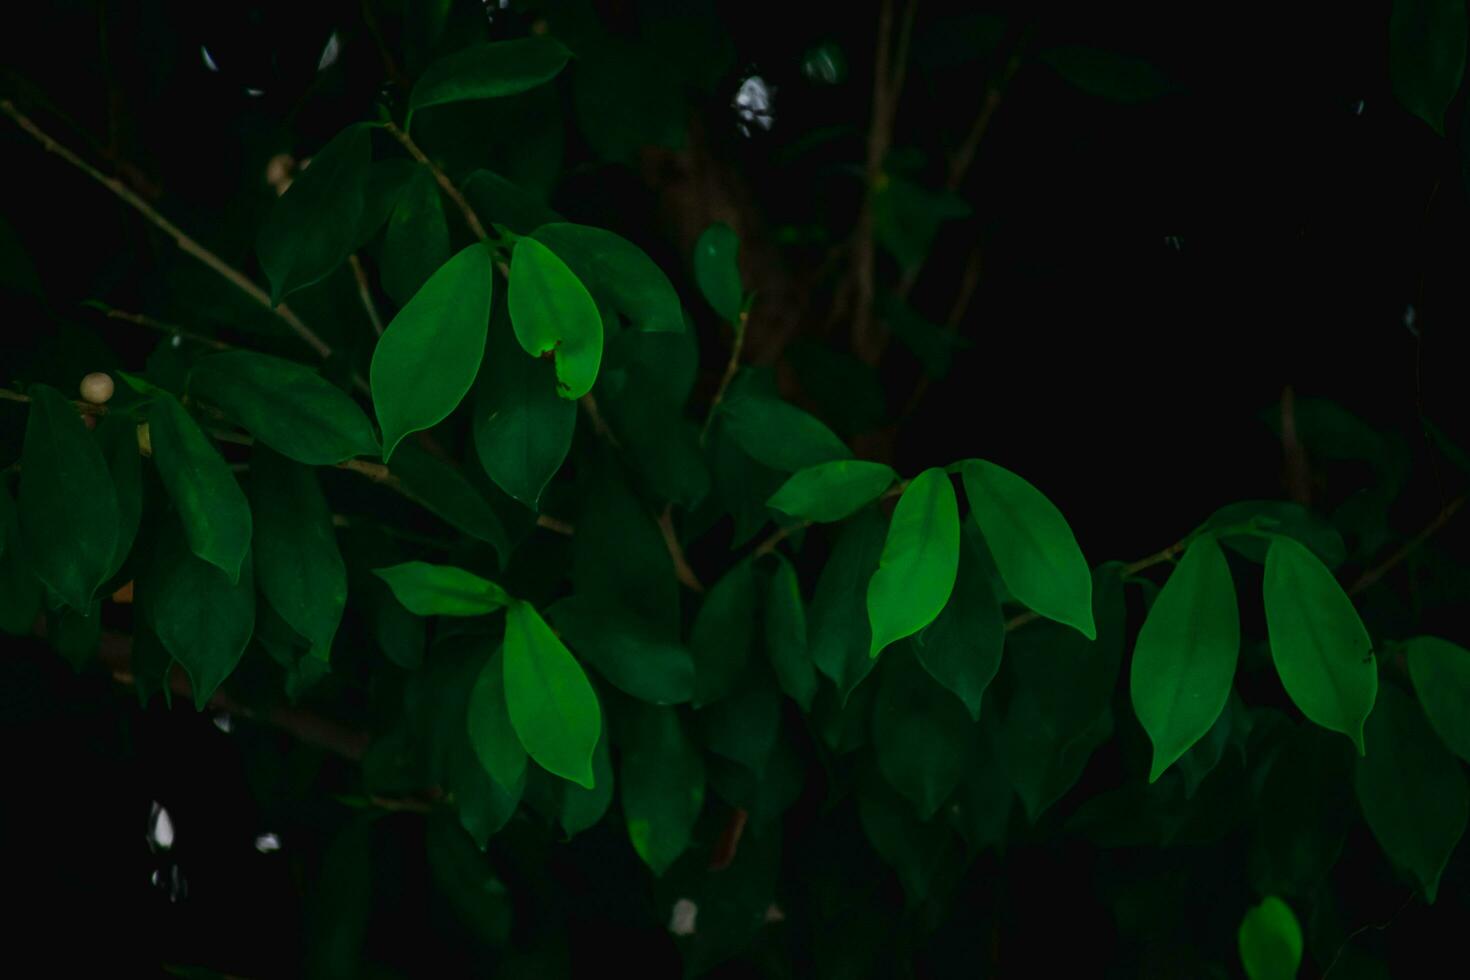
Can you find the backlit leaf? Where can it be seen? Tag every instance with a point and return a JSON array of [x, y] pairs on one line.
[[552, 312], [552, 704], [442, 590], [920, 559], [832, 491]]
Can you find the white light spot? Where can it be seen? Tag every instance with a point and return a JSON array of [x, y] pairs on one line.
[[176, 341], [1411, 317], [681, 922], [1174, 242], [160, 828], [267, 843], [255, 93], [774, 913], [208, 58], [753, 104], [223, 722], [330, 53], [1358, 107]]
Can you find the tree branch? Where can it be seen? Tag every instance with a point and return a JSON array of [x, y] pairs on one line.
[[445, 184]]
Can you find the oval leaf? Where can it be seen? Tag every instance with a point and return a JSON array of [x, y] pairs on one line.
[[442, 590], [1426, 50], [428, 357], [920, 559], [786, 643], [1270, 941], [552, 705], [489, 71], [1034, 549], [779, 434], [1184, 661], [552, 312], [723, 633], [1440, 671], [832, 491], [617, 273], [662, 779], [68, 509], [1322, 652], [1411, 790], [634, 657], [285, 405], [717, 271], [210, 502], [962, 648], [488, 723], [417, 240], [920, 734]]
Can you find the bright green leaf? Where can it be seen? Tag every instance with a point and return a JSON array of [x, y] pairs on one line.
[[1322, 652], [1411, 790], [832, 491], [1440, 671], [1033, 547], [489, 71], [1270, 941], [920, 559], [68, 509], [552, 312], [662, 781], [717, 270], [442, 590], [552, 704], [285, 405], [428, 357], [211, 504], [617, 273], [1184, 661]]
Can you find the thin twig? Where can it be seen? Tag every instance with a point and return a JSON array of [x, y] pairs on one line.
[[184, 242], [168, 329], [365, 293], [445, 184], [732, 367], [1370, 577], [682, 571]]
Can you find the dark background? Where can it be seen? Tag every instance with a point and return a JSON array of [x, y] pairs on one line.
[[1153, 277]]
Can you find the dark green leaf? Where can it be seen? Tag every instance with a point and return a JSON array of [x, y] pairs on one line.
[[428, 357], [617, 273], [118, 436], [920, 734], [499, 200], [298, 565], [488, 726], [313, 226], [522, 428], [779, 434], [447, 492], [724, 631], [921, 556], [635, 658], [662, 780], [1033, 547], [1322, 652], [417, 240], [582, 809], [1106, 74], [1270, 941], [202, 618], [442, 590], [1440, 671], [210, 502], [552, 312], [837, 627], [922, 853], [1411, 789], [907, 216], [786, 635], [1305, 810], [962, 648], [1427, 56], [743, 726], [68, 509], [619, 555], [1184, 661], [932, 344], [1276, 517], [74, 634], [832, 491], [552, 705], [489, 71], [717, 270]]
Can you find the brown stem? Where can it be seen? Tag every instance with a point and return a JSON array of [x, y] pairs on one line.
[[682, 571], [1370, 577], [365, 293], [445, 184], [732, 367]]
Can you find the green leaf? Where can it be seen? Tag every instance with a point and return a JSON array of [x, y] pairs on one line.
[[202, 618], [417, 240], [1305, 810], [920, 559], [1440, 671], [1107, 74], [779, 434], [496, 199], [311, 229], [662, 780], [635, 658], [68, 509], [1411, 790], [428, 357], [962, 648], [285, 405], [717, 270], [837, 627], [118, 436], [75, 633], [1033, 547], [832, 491], [386, 180], [933, 345], [552, 705], [582, 809], [786, 636], [210, 502], [448, 493], [488, 725], [489, 71], [907, 217], [442, 590], [922, 853], [1426, 52], [1322, 651], [1270, 941], [617, 273], [523, 430], [743, 726], [1184, 660], [618, 554], [920, 734], [298, 565], [552, 312], [724, 631]]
